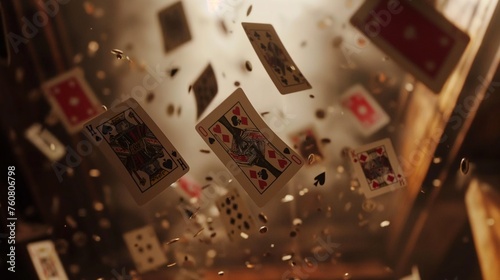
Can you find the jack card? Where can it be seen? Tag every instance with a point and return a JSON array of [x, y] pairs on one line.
[[138, 150], [368, 116], [377, 168], [46, 261], [420, 39], [275, 58], [72, 99], [260, 161]]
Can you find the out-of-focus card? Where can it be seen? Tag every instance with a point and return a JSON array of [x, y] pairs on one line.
[[72, 99], [46, 261], [45, 141], [174, 26], [307, 143], [260, 161], [235, 215], [188, 188], [377, 168], [368, 116], [415, 35], [205, 89], [275, 58], [145, 248], [137, 148]]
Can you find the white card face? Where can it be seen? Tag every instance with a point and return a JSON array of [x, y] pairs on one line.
[[415, 35], [272, 53], [260, 161], [137, 148], [377, 168], [72, 99], [366, 113], [45, 141], [145, 248], [235, 215], [46, 261]]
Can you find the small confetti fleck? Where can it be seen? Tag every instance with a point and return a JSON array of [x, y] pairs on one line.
[[262, 218], [249, 10], [199, 232], [236, 84], [170, 109], [320, 114], [311, 96], [190, 88], [173, 241], [208, 178], [150, 97], [244, 235], [326, 140], [286, 257], [221, 273], [293, 233], [264, 113], [464, 166], [173, 71], [337, 41], [205, 151], [263, 229], [248, 66], [171, 264], [249, 265], [297, 222], [118, 53], [385, 224]]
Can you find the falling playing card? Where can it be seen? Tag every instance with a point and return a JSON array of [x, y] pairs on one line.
[[145, 248], [46, 261], [377, 168], [205, 89], [260, 161], [72, 99], [415, 35], [235, 215], [306, 142], [45, 141], [369, 116], [137, 148], [174, 26], [275, 58], [188, 188]]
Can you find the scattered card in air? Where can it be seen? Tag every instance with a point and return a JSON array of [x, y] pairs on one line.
[[235, 215], [307, 143], [368, 116], [205, 89], [377, 168], [415, 35], [188, 188], [260, 161], [45, 141], [139, 151], [145, 248], [275, 58], [72, 99], [47, 264], [174, 26]]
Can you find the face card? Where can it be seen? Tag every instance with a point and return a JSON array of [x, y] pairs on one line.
[[72, 99], [377, 168], [140, 152], [275, 58], [361, 106], [235, 215], [415, 35], [260, 161], [45, 141], [205, 89], [174, 26], [307, 144], [46, 261], [145, 248]]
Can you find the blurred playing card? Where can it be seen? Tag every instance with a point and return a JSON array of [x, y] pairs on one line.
[[235, 215], [4, 47], [46, 261], [260, 161], [307, 143], [368, 116], [174, 26], [72, 99], [415, 35], [145, 248], [188, 188], [377, 168], [275, 58], [138, 150], [205, 89], [45, 141]]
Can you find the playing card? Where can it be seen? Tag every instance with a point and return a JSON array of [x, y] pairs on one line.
[[415, 35], [143, 245], [188, 188], [46, 261], [275, 58], [45, 141], [377, 168], [307, 143], [174, 26], [368, 115], [205, 89], [72, 99], [235, 215], [260, 161], [142, 155]]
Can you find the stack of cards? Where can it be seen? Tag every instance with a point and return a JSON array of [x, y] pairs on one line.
[[145, 248], [275, 58], [377, 168], [72, 99], [143, 156], [260, 161], [415, 35], [46, 261]]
